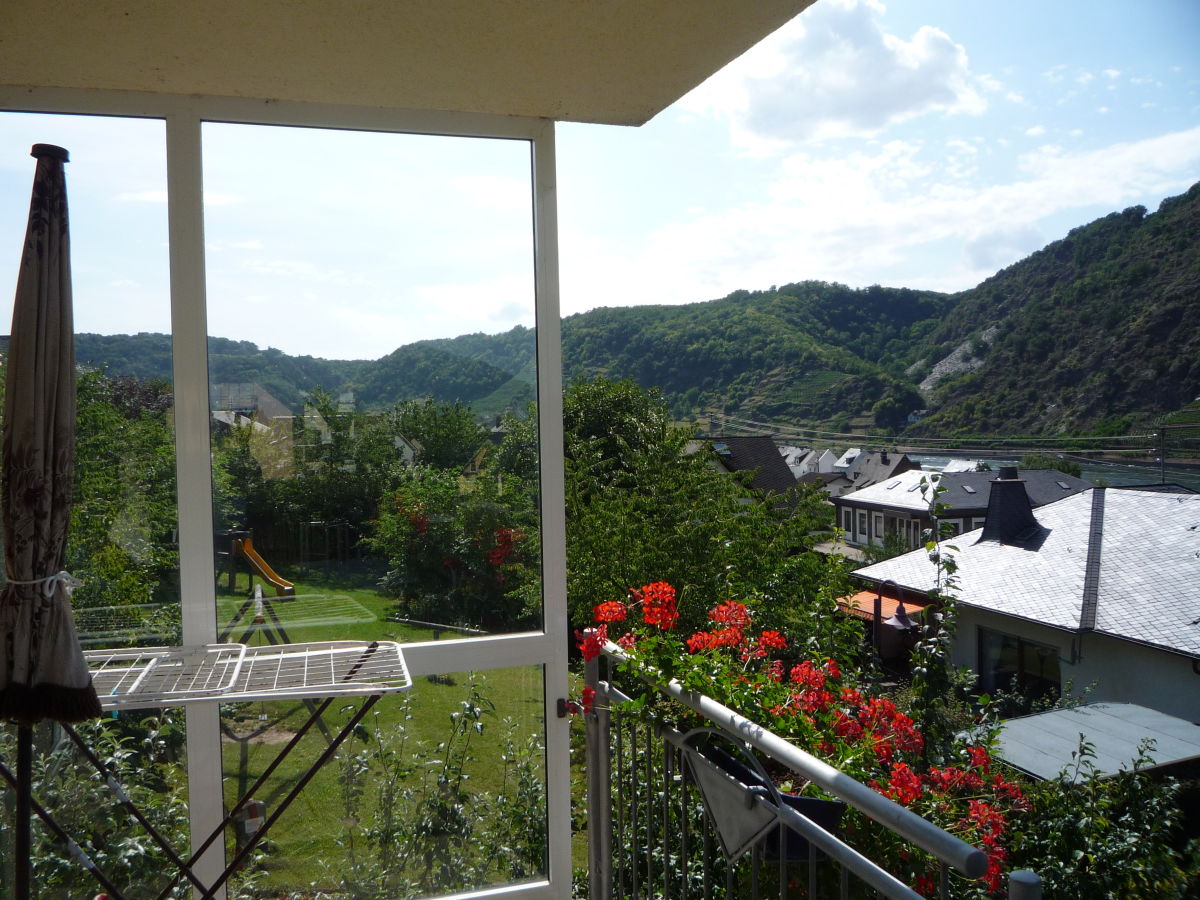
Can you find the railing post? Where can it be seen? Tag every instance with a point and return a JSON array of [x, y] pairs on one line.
[[599, 792], [1024, 885]]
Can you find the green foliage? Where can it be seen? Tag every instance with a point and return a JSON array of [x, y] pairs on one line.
[[446, 435], [143, 754], [1095, 835], [641, 507], [123, 512], [459, 552], [937, 687], [894, 544]]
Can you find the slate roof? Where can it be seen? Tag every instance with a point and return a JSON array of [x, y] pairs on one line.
[[966, 492], [1138, 582], [874, 467], [760, 455]]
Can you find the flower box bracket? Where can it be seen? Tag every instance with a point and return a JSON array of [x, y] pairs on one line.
[[732, 786]]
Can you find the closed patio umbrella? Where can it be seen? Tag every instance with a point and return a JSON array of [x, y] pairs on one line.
[[43, 674]]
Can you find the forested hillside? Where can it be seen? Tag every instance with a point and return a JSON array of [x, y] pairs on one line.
[[1096, 332]]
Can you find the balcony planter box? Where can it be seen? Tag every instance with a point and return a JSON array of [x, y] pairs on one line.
[[730, 789]]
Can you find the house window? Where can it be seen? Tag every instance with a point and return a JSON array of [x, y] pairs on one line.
[[862, 526], [1017, 665], [878, 528], [848, 521]]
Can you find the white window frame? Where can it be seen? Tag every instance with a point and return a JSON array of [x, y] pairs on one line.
[[184, 118]]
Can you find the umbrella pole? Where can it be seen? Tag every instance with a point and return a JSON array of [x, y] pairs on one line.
[[24, 811]]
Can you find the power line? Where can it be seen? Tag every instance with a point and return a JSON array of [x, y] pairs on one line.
[[991, 443]]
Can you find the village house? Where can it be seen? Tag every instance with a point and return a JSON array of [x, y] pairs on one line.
[[857, 469], [758, 455], [1092, 593], [899, 505], [807, 461]]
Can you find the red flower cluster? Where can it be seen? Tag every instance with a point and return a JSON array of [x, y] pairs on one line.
[[734, 618], [987, 800], [904, 786], [730, 613], [772, 640], [592, 642], [658, 605], [610, 611], [420, 522]]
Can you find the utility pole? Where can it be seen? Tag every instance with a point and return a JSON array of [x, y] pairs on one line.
[[1162, 455]]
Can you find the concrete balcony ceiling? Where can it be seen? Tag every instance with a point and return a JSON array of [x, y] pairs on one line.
[[606, 61]]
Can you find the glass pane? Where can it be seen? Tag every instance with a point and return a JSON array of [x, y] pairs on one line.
[[439, 790], [122, 540], [357, 494], [357, 409]]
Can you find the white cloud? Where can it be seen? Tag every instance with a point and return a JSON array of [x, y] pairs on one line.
[[834, 72], [1112, 74], [1035, 131], [888, 214], [1084, 78], [993, 249]]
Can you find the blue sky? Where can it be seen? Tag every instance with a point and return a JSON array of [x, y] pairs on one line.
[[919, 144]]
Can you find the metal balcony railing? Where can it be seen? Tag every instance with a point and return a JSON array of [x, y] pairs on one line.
[[693, 815]]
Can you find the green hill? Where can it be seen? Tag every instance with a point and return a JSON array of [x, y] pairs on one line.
[[1097, 332]]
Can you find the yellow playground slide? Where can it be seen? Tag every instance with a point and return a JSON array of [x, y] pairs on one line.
[[265, 572]]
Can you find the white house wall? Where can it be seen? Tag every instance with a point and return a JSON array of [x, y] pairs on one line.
[[1120, 671]]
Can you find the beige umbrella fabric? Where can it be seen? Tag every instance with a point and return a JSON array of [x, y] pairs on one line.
[[42, 670]]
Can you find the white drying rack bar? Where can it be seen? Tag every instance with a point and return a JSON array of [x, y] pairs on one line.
[[229, 673]]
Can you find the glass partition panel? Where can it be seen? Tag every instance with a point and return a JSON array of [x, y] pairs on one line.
[[440, 790], [122, 539], [370, 309]]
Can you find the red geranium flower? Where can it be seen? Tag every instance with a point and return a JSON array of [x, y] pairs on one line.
[[658, 604], [592, 643], [730, 613], [610, 611]]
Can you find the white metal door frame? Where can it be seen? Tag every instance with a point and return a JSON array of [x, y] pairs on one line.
[[184, 117]]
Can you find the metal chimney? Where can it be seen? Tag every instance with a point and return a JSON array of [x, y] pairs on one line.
[[1010, 517]]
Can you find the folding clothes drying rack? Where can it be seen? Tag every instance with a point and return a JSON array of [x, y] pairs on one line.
[[229, 673]]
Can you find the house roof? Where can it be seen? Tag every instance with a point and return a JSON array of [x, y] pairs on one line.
[[862, 605], [757, 454], [874, 467], [965, 491], [1117, 562], [847, 459], [606, 61], [1044, 744]]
